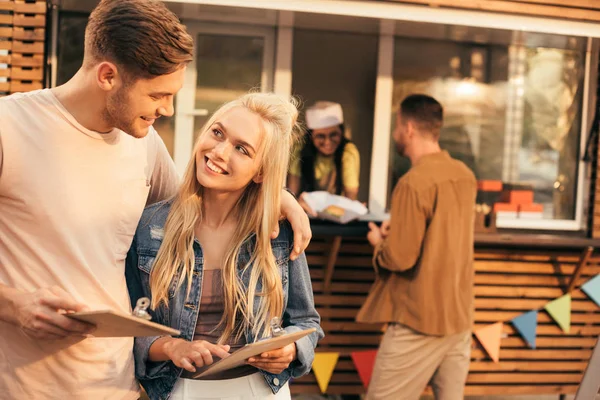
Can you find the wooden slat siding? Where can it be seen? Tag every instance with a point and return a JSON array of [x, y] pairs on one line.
[[6, 19], [26, 20], [38, 7], [37, 34], [594, 217], [23, 47], [7, 5], [28, 47], [6, 32], [27, 74], [508, 283], [551, 8], [20, 60]]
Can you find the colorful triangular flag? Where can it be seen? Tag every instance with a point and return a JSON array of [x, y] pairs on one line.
[[560, 310], [364, 361], [323, 367], [592, 289], [489, 337], [526, 325]]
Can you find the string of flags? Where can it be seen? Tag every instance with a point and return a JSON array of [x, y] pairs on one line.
[[489, 336]]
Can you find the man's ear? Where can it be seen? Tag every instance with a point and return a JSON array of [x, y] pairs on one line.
[[411, 129], [107, 75]]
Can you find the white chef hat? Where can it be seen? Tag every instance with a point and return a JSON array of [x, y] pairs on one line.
[[324, 114]]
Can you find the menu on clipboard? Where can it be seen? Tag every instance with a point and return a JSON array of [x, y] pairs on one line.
[[239, 357], [111, 323]]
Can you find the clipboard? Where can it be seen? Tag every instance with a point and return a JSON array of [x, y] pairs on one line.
[[111, 323], [239, 357]]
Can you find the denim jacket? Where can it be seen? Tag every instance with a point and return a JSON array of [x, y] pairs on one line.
[[159, 378]]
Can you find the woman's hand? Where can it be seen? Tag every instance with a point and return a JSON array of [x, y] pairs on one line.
[[189, 355], [275, 361]]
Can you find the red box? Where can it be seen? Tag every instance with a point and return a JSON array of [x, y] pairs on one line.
[[534, 207], [505, 207], [489, 186], [518, 197]]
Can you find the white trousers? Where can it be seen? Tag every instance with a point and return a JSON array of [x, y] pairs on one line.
[[251, 387]]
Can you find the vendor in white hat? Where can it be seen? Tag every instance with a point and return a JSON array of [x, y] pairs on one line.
[[328, 160]]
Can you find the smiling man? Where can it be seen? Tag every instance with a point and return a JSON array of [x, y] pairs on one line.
[[78, 163]]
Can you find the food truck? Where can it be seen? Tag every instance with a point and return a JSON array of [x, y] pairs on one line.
[[518, 81]]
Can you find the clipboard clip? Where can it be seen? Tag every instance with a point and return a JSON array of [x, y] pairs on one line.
[[141, 307], [276, 329]]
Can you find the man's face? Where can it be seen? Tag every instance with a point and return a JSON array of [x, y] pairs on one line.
[[133, 108], [400, 135]]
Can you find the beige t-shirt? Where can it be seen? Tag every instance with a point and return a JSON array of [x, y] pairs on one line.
[[70, 201]]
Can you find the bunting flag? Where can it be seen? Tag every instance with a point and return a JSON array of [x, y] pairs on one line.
[[592, 289], [323, 367], [560, 310], [364, 361], [526, 325], [489, 337]]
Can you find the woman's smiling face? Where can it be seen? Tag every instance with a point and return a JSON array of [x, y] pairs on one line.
[[228, 156]]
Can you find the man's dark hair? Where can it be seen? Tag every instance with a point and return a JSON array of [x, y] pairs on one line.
[[425, 112], [308, 157], [141, 36]]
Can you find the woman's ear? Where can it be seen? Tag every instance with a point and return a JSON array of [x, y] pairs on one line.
[[258, 178]]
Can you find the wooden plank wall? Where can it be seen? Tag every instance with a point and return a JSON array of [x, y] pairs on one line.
[[581, 10], [594, 203], [508, 283], [22, 35]]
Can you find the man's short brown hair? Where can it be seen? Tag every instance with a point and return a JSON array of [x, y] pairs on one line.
[[425, 112], [142, 36]]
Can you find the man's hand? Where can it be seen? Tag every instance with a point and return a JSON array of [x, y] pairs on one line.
[[305, 205], [189, 355], [385, 228], [375, 235], [291, 210], [275, 361], [41, 314]]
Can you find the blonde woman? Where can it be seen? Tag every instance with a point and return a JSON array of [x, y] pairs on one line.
[[211, 269]]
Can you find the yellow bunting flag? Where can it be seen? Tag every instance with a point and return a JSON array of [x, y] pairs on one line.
[[489, 337], [560, 310], [323, 367]]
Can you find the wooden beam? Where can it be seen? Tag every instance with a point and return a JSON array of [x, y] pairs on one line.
[[38, 21], [21, 60], [7, 5], [28, 48], [6, 32], [39, 7], [331, 261], [18, 86], [592, 4], [38, 34], [510, 7], [29, 74], [6, 19], [579, 269]]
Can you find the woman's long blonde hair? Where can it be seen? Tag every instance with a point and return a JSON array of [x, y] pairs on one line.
[[257, 212]]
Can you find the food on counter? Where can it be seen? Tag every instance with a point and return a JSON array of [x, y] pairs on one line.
[[335, 211]]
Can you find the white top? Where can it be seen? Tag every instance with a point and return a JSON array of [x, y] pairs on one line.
[[70, 201]]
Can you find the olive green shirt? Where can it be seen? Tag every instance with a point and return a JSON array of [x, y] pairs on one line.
[[424, 268]]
